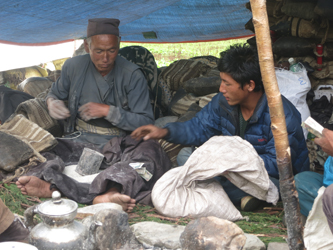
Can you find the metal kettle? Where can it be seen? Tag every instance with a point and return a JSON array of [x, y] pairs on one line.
[[58, 229]]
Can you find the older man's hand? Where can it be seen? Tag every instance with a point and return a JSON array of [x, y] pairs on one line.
[[57, 109], [92, 110]]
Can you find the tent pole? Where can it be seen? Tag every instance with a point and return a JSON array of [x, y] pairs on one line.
[[288, 191]]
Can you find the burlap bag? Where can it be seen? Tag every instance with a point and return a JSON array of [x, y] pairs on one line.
[[29, 132], [36, 111], [34, 85]]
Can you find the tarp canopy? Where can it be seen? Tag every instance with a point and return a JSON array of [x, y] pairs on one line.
[[44, 22]]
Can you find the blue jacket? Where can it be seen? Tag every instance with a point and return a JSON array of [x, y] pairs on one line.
[[218, 117]]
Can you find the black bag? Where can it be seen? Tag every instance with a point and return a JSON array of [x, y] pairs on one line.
[[13, 152]]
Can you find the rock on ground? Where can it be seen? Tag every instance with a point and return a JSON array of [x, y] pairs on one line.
[[153, 234], [277, 246], [212, 233], [253, 243]]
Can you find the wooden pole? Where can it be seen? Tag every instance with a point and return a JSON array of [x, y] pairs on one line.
[[288, 191]]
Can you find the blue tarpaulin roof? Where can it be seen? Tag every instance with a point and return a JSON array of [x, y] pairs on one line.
[[32, 22]]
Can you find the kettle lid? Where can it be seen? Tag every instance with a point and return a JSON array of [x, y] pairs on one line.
[[57, 206]]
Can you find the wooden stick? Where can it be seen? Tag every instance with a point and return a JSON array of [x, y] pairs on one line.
[[278, 124]]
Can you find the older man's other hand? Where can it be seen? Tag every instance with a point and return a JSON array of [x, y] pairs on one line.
[[92, 110]]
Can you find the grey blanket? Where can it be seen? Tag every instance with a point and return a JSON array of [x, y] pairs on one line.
[[118, 152]]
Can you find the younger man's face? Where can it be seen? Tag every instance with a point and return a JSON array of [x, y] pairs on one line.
[[232, 90]]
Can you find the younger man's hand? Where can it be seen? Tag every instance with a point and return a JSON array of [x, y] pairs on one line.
[[149, 132]]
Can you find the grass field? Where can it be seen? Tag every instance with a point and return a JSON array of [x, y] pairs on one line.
[[266, 223], [167, 53]]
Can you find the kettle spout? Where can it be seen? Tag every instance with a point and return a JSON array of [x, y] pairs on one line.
[[29, 217]]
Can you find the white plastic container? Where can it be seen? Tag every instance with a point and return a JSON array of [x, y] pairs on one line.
[[15, 245], [324, 90]]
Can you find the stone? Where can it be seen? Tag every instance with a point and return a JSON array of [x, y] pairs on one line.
[[90, 162], [153, 234], [277, 246], [93, 209], [114, 233], [253, 243], [208, 233]]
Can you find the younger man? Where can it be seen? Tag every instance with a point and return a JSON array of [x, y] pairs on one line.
[[239, 109]]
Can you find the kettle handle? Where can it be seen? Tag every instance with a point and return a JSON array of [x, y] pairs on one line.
[[29, 216]]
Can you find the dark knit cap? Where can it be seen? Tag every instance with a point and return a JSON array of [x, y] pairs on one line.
[[99, 26]]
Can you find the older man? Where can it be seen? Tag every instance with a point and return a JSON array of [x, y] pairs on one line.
[[101, 96], [107, 95]]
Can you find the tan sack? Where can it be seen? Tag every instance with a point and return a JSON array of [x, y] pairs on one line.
[[190, 190]]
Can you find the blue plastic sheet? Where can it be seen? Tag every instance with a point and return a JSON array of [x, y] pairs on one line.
[[46, 22]]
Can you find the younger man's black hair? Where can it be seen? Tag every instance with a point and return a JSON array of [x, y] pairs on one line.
[[242, 64]]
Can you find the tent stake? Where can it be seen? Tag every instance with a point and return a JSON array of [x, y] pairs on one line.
[[288, 191]]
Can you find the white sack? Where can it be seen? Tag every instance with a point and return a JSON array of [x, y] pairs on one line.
[[295, 86], [190, 190], [317, 233]]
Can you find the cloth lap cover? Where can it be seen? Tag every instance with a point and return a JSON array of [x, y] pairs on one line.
[[190, 189]]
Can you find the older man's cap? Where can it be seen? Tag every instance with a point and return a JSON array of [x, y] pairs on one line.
[[100, 26]]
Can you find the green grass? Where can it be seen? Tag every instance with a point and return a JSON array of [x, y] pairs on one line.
[[265, 223], [166, 53]]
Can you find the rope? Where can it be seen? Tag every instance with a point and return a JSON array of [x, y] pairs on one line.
[[22, 170]]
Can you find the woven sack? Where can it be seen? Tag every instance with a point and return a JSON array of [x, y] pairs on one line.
[[291, 46], [171, 149], [303, 9], [182, 70], [203, 85], [36, 111], [29, 132], [34, 85]]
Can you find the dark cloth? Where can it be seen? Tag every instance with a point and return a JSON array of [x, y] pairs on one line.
[[328, 205], [146, 61], [218, 118], [100, 26], [119, 152], [9, 100]]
